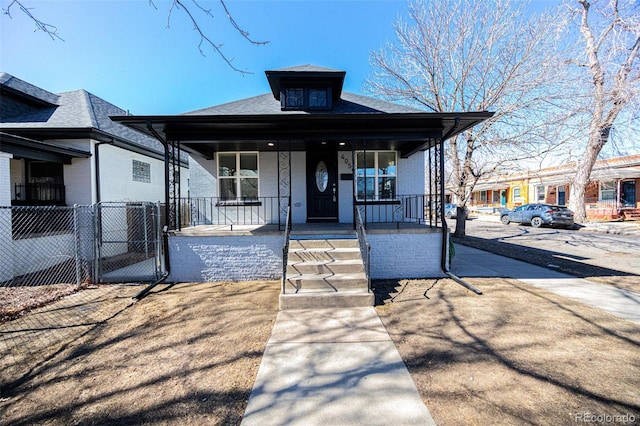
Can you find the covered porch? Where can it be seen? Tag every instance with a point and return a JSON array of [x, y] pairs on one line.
[[306, 160]]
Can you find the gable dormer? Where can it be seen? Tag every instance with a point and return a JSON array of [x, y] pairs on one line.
[[306, 88]]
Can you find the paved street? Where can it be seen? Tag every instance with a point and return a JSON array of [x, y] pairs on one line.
[[612, 251]]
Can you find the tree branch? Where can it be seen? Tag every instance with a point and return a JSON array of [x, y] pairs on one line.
[[50, 30]]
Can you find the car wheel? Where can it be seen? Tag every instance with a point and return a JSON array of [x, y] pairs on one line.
[[536, 222], [449, 215], [505, 219]]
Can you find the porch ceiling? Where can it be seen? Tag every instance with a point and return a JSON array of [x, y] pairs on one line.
[[207, 134]]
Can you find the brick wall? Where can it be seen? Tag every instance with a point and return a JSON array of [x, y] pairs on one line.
[[225, 258], [405, 255]]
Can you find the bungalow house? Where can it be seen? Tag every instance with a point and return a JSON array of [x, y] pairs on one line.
[[614, 191], [61, 150], [294, 183]]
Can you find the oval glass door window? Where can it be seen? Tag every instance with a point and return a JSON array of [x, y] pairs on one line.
[[322, 176]]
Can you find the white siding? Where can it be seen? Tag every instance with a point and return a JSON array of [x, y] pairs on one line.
[[202, 173], [298, 187], [116, 177], [6, 175], [345, 187], [268, 178], [6, 265], [79, 183], [411, 175]]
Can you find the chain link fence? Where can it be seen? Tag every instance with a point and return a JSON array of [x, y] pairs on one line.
[[128, 242], [48, 252]]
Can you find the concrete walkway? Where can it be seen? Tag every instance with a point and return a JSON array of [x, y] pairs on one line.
[[333, 367], [340, 367], [469, 262]]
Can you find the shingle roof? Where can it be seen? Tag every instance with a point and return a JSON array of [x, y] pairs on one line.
[[266, 104], [14, 84], [75, 110]]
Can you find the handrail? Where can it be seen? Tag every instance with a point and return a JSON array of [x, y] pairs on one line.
[[365, 247], [285, 248]]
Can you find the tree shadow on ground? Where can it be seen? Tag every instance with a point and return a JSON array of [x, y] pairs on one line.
[[185, 354], [516, 354], [561, 261]]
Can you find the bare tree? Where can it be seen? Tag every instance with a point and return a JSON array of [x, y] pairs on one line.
[[611, 41], [470, 55], [192, 9]]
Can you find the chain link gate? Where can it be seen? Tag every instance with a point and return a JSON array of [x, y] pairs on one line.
[[128, 242]]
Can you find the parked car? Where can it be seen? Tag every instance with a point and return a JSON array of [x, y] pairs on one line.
[[538, 215], [450, 211]]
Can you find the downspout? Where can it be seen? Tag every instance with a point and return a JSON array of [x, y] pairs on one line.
[[97, 166], [445, 239], [165, 228]]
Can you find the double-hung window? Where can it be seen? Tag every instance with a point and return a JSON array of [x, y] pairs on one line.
[[607, 190], [377, 174], [540, 194], [238, 176]]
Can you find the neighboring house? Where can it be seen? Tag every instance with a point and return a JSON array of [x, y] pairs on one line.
[[326, 156], [63, 149], [614, 191]]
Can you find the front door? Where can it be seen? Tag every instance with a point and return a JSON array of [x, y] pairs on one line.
[[628, 193], [322, 186]]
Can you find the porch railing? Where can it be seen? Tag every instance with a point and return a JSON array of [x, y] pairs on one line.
[[39, 194], [238, 211], [416, 208], [365, 248]]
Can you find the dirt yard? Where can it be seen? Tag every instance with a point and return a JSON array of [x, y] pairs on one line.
[[186, 354], [189, 354], [514, 355]]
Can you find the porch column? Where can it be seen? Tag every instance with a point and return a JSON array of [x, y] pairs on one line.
[[172, 184], [6, 240], [284, 182]]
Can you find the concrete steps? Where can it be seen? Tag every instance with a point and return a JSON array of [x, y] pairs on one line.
[[325, 273]]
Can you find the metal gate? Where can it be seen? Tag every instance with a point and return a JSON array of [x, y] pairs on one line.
[[128, 242]]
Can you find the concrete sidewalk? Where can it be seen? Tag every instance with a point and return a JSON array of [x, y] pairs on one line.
[[469, 262], [333, 367]]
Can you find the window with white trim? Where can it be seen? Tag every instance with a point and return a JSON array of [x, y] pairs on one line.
[[238, 175], [608, 190], [540, 194], [516, 194], [377, 174]]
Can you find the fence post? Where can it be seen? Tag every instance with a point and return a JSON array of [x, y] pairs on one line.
[[76, 236], [160, 260], [146, 231], [97, 232]]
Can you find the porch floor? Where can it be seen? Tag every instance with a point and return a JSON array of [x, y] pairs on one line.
[[306, 229]]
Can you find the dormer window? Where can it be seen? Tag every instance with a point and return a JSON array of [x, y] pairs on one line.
[[305, 98], [318, 98], [294, 98]]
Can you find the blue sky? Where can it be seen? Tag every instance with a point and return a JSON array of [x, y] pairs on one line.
[[122, 51]]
